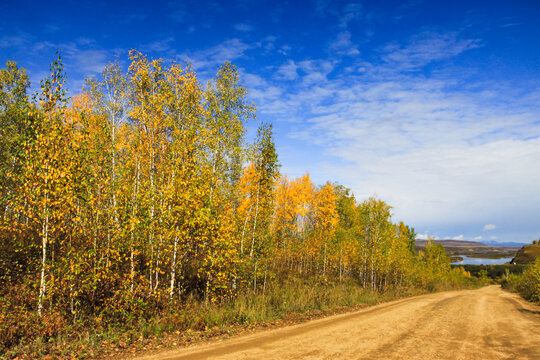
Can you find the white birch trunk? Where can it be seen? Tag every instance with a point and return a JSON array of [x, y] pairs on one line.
[[255, 221], [244, 230], [45, 240], [173, 268]]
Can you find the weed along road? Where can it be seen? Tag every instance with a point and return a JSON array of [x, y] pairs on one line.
[[487, 323]]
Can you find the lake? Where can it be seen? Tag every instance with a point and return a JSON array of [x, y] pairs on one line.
[[481, 261]]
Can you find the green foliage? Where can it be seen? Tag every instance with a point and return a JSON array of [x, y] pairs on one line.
[[527, 284], [494, 272], [15, 130]]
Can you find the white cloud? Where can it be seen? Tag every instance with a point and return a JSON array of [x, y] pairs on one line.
[[311, 66], [91, 61], [478, 238], [460, 237], [210, 58], [343, 44], [489, 227], [80, 56], [160, 45], [350, 12], [426, 236], [510, 25], [287, 71], [285, 50]]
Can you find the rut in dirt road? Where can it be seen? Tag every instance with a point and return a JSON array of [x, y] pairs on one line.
[[488, 323]]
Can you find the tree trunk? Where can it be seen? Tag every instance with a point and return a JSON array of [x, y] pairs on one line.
[[173, 268], [324, 260], [255, 278], [44, 240], [108, 246], [157, 261], [340, 263], [244, 230], [255, 221], [264, 283], [132, 227]]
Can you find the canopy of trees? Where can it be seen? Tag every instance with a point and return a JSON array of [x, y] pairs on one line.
[[143, 190]]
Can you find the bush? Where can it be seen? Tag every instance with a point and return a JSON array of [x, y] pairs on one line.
[[527, 284]]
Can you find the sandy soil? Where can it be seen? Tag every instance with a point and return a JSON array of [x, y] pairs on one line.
[[488, 323]]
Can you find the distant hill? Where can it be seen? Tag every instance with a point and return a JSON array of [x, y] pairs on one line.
[[526, 255], [471, 248], [504, 244], [454, 243]]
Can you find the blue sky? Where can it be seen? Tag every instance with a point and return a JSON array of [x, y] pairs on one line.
[[433, 106]]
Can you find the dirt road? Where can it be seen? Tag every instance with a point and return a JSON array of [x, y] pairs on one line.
[[488, 323]]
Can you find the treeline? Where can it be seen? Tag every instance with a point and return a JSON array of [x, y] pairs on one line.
[[143, 191]]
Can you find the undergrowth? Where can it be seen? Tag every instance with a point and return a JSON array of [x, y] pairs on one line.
[[527, 284], [291, 300]]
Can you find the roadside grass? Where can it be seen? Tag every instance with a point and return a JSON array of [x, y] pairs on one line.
[[526, 284], [285, 302], [527, 254]]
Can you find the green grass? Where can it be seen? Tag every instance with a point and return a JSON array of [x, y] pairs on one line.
[[527, 254]]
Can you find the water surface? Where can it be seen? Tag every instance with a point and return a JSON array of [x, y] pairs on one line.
[[481, 261]]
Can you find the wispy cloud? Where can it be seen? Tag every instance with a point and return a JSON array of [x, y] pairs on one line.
[[418, 142], [344, 45], [90, 61], [81, 57], [288, 71], [510, 25], [489, 227], [425, 48], [426, 236], [321, 6], [243, 27], [7, 41], [350, 12], [178, 15], [178, 10], [210, 58], [160, 46]]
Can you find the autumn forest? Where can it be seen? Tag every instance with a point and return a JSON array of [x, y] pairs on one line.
[[143, 193]]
